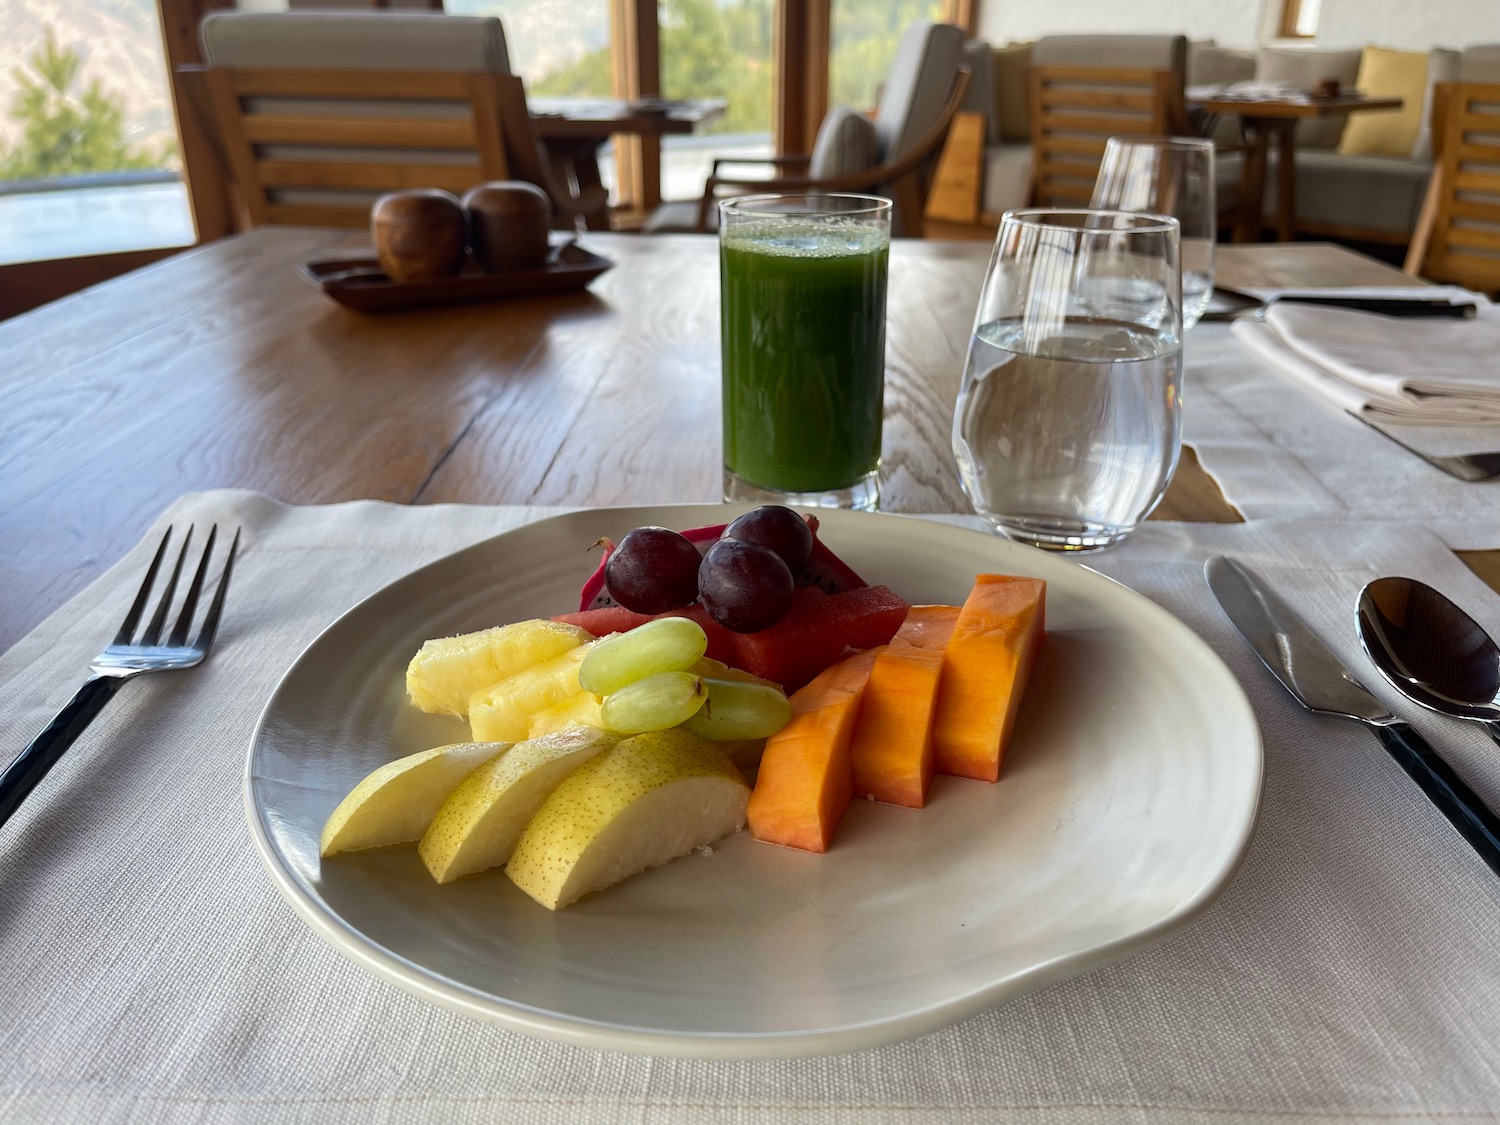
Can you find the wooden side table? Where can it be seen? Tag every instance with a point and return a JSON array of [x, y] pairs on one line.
[[1265, 120]]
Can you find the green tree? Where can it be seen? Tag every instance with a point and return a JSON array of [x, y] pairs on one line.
[[65, 130]]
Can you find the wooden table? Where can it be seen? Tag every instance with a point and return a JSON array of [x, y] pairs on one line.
[[575, 129], [1263, 122], [222, 368]]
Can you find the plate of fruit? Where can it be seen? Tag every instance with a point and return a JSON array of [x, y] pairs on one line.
[[702, 781]]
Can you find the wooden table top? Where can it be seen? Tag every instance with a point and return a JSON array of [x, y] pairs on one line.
[[1294, 107], [589, 118], [223, 368]]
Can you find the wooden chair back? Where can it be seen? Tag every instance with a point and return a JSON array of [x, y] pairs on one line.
[[1457, 239], [1074, 112], [317, 147]]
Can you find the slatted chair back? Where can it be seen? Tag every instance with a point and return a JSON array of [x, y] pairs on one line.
[[1074, 112], [318, 147], [1458, 234]]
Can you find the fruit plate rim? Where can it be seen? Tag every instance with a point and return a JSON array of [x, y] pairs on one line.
[[1243, 767]]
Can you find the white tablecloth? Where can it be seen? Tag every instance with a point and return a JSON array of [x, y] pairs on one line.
[[1279, 451], [1350, 972]]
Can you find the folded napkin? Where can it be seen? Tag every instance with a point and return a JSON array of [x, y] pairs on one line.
[[1435, 372]]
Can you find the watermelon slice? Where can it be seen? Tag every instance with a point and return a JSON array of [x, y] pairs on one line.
[[819, 629], [824, 569]]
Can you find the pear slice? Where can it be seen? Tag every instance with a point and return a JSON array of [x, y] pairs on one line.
[[482, 819], [448, 670], [396, 802], [652, 798]]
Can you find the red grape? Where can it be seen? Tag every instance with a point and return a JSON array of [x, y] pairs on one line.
[[745, 588], [653, 570], [777, 529]]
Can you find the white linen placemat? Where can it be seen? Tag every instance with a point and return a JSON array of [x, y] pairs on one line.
[[155, 975], [1278, 450]]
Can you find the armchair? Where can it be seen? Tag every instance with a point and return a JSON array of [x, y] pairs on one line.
[[892, 154]]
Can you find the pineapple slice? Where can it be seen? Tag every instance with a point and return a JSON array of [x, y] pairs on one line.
[[446, 672], [511, 704], [581, 710]]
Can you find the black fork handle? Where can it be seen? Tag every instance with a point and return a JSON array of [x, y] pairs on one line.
[[1464, 808], [22, 775]]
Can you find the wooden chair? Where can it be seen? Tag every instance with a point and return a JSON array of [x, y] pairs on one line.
[[1074, 112], [906, 180], [1457, 239], [313, 115]]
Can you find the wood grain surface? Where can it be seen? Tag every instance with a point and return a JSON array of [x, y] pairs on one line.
[[223, 368]]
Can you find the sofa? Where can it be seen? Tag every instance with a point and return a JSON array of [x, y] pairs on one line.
[[1357, 177]]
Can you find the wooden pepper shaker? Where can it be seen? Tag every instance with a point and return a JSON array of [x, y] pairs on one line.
[[419, 235], [508, 223]]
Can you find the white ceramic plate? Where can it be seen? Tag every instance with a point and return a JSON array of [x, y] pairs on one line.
[[1127, 799]]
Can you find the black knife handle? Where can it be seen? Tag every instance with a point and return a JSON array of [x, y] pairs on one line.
[[1454, 799], [20, 777], [1388, 306]]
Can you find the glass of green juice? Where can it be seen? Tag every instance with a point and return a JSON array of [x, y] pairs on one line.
[[802, 317]]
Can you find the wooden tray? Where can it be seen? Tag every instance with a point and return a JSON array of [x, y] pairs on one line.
[[359, 284]]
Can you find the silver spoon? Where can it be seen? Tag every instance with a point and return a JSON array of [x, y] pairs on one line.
[[1430, 650]]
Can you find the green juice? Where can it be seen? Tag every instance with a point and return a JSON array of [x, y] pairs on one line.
[[803, 323]]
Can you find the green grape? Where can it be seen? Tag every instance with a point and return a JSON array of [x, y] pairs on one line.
[[664, 700], [736, 710], [668, 644]]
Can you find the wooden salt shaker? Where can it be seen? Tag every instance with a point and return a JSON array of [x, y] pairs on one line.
[[419, 235], [508, 223]]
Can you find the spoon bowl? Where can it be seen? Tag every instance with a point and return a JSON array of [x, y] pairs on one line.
[[1430, 650]]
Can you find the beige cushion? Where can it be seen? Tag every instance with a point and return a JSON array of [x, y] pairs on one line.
[[1011, 63], [355, 41], [1381, 194], [1480, 63], [1210, 65], [1387, 74], [846, 143], [927, 61], [1126, 52], [1007, 178], [1442, 66], [1303, 68]]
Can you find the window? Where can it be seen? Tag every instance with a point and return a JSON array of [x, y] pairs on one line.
[[88, 149], [865, 34], [1299, 18]]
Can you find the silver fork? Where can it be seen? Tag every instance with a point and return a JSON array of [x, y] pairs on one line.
[[1464, 466], [126, 656]]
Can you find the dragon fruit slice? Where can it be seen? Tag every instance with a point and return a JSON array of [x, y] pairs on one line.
[[824, 569]]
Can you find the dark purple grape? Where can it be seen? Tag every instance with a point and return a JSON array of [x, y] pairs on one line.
[[777, 529], [745, 588], [653, 570]]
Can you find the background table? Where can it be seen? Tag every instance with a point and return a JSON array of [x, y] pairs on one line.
[[1263, 121], [222, 368]]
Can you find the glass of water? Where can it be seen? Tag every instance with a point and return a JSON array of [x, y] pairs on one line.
[[1168, 176], [1068, 423]]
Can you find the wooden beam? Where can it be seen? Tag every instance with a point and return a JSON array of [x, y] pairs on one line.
[[802, 40], [635, 72], [215, 213]]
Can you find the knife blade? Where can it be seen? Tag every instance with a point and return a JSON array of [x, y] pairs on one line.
[[1320, 681], [1243, 304]]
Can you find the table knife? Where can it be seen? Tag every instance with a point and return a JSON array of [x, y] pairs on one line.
[[1386, 306], [1320, 682]]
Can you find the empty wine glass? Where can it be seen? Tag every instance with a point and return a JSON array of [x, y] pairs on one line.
[[1168, 176], [1068, 423]]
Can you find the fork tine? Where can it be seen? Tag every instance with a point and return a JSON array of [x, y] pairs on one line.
[[211, 622], [127, 628], [152, 635], [190, 603]]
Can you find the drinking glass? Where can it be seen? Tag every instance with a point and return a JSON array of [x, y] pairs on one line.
[[1068, 424], [802, 314], [1168, 176]]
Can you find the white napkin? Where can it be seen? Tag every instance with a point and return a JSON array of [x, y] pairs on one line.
[[155, 975], [1387, 369]]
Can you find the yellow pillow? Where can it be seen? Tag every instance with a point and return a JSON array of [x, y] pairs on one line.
[[1011, 91], [1387, 74]]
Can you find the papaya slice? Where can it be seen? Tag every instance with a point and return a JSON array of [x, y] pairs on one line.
[[892, 751], [805, 783], [985, 669]]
